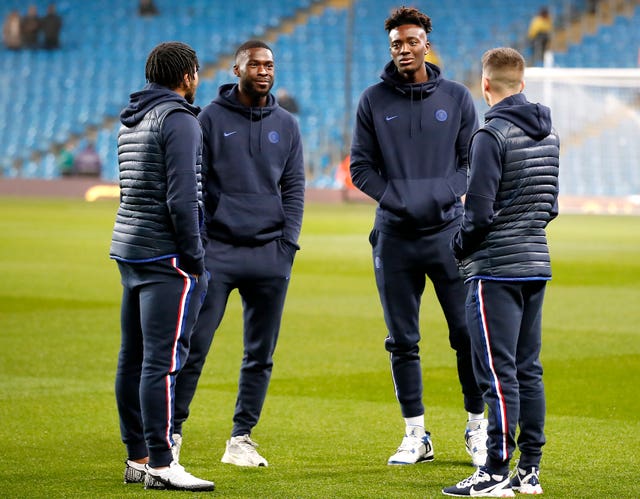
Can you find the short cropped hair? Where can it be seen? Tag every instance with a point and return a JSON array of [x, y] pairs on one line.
[[504, 67], [407, 15], [168, 62], [252, 44]]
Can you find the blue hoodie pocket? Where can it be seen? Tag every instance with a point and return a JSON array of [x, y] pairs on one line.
[[248, 217], [425, 202]]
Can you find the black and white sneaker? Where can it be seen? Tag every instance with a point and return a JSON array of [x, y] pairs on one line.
[[482, 484], [526, 481], [175, 477], [134, 472]]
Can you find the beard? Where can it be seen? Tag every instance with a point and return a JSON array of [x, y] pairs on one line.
[[256, 92], [190, 94]]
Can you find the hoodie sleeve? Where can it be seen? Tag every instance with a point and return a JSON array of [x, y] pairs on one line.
[[468, 125], [486, 170], [365, 154], [183, 140], [292, 188]]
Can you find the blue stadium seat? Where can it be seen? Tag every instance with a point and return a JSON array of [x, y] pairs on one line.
[[65, 92]]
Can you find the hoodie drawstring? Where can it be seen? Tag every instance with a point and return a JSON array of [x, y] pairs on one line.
[[421, 110], [251, 131], [421, 107], [411, 113], [260, 137]]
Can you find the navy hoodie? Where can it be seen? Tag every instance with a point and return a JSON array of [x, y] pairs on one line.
[[409, 150], [182, 140], [253, 171], [486, 156]]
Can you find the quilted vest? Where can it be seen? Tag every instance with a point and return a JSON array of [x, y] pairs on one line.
[[515, 246]]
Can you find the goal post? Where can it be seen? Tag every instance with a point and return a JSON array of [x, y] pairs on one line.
[[596, 112]]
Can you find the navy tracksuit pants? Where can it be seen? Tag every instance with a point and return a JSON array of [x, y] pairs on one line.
[[401, 266], [160, 303], [505, 322], [261, 276]]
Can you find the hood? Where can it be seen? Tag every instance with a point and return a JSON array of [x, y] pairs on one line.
[[412, 91], [534, 119], [228, 98], [149, 97]]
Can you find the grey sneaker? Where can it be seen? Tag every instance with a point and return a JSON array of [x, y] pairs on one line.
[[134, 472], [175, 448], [475, 437], [416, 447], [526, 481], [175, 477], [241, 451]]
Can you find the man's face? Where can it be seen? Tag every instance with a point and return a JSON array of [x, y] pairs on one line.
[[192, 85], [408, 45], [256, 71]]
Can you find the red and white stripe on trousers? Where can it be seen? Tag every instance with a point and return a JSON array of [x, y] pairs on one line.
[[501, 408], [179, 330]]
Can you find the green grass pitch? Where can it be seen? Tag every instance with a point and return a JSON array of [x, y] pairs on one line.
[[330, 420]]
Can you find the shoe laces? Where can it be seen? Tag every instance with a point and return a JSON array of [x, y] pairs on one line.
[[530, 478], [479, 476], [514, 472], [246, 443], [477, 439], [175, 465], [410, 442]]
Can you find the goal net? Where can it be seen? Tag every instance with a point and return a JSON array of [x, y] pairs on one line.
[[596, 113]]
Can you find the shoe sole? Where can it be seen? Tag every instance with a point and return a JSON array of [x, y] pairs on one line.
[[227, 460], [426, 459], [488, 494], [527, 490], [159, 485]]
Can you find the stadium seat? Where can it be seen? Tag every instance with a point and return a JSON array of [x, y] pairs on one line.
[[85, 84]]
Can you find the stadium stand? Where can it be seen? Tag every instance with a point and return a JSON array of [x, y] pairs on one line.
[[74, 94]]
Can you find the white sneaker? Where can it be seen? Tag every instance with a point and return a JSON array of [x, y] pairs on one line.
[[416, 447], [134, 472], [175, 448], [475, 437], [241, 451], [175, 478]]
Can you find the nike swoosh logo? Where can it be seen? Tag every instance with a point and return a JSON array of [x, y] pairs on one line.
[[389, 118], [226, 134], [479, 490]]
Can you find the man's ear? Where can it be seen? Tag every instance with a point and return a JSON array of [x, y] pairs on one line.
[[236, 70], [522, 85], [486, 85]]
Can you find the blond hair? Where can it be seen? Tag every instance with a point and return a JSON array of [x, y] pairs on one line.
[[504, 68]]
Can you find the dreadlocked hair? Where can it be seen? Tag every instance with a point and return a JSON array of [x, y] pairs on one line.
[[407, 15], [168, 62], [252, 44]]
